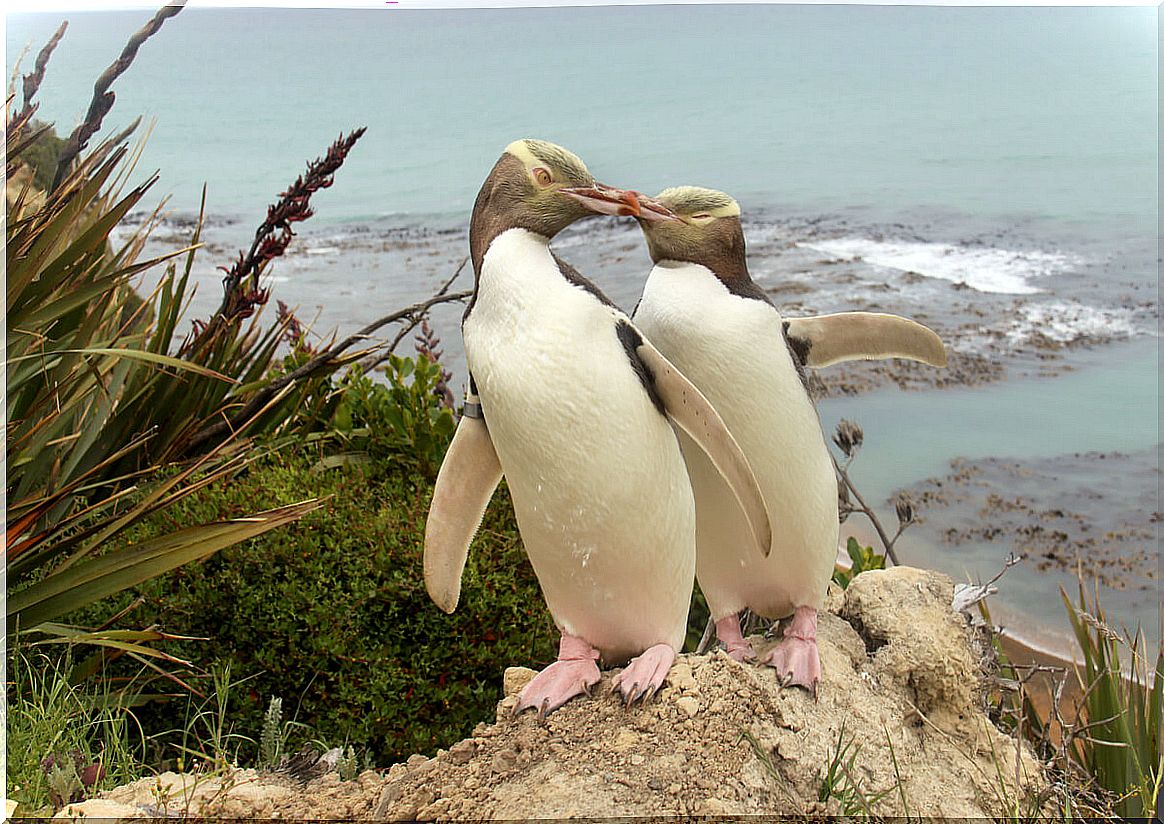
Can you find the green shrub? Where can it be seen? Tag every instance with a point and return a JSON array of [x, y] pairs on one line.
[[41, 156], [331, 613], [400, 421], [863, 558]]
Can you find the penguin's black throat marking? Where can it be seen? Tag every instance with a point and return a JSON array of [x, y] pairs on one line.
[[631, 341]]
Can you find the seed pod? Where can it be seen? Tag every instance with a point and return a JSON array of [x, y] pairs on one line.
[[849, 437], [905, 512]]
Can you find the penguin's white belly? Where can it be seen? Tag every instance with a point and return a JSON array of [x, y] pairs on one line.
[[733, 349], [598, 482]]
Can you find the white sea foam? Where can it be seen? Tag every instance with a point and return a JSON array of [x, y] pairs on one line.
[[1057, 321], [987, 270], [1066, 322]]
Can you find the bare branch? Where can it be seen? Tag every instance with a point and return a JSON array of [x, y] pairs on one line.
[[842, 473], [103, 98], [326, 359]]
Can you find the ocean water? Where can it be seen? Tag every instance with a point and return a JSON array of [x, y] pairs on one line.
[[1037, 113], [992, 170]]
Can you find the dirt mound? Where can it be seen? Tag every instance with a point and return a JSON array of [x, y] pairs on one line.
[[898, 728]]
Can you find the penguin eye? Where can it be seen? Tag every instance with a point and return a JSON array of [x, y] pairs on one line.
[[701, 216], [542, 176]]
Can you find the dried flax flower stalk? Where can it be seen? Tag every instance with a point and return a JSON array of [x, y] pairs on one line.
[[242, 293], [103, 98]]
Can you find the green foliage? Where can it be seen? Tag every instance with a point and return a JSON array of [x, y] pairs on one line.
[[399, 422], [331, 614], [864, 558], [840, 781], [74, 727], [697, 617], [97, 407], [271, 741], [1121, 749], [42, 156]]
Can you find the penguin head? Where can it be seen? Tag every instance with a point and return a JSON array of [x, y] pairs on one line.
[[704, 228], [542, 187]]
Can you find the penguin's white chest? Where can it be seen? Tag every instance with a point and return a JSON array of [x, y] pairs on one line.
[[733, 349], [597, 478]]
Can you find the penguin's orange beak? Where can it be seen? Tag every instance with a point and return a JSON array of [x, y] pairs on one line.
[[606, 200]]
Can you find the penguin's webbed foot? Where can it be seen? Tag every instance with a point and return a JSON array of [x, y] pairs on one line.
[[645, 674], [796, 658], [573, 674], [727, 630]]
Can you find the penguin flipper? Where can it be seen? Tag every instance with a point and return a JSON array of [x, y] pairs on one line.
[[688, 409], [465, 483], [827, 339]]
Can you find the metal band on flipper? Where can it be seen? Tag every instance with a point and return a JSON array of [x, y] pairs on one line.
[[472, 409]]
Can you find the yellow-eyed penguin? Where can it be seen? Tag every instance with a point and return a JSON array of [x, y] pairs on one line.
[[702, 310], [574, 408]]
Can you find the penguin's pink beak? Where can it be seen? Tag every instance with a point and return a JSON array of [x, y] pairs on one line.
[[607, 200], [651, 209]]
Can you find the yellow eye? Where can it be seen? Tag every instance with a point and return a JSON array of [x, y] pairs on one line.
[[542, 176], [701, 216]]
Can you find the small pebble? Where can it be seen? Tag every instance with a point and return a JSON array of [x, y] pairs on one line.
[[504, 761], [462, 752]]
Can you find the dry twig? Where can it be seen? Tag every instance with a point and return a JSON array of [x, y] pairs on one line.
[[849, 438], [326, 359]]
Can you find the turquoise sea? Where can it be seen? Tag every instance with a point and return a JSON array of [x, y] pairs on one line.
[[993, 170]]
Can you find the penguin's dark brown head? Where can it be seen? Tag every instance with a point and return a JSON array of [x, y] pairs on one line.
[[540, 186], [706, 230]]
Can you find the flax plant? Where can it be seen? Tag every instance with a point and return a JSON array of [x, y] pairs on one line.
[[98, 410], [1119, 746]]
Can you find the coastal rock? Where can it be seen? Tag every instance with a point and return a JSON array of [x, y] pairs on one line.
[[101, 809], [901, 696]]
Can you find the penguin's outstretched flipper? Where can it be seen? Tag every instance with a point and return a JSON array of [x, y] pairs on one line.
[[827, 339], [468, 475], [688, 409]]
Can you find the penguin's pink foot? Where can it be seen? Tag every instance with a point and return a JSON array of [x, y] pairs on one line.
[[727, 630], [644, 675], [574, 673], [796, 658]]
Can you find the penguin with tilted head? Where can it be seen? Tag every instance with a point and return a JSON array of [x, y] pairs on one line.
[[702, 310], [574, 408]]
